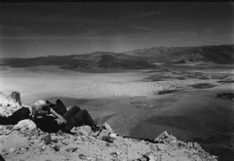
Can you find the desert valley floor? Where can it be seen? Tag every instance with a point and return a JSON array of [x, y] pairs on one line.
[[192, 104]]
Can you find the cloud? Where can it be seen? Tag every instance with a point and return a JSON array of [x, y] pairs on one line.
[[208, 30], [143, 28], [15, 30], [64, 16], [144, 14], [13, 27]]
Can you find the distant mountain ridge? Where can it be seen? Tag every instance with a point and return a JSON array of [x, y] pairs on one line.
[[222, 54], [96, 60], [135, 59]]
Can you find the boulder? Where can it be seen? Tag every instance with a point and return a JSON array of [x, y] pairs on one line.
[[165, 137], [108, 128], [83, 130], [7, 105], [25, 124], [56, 147], [16, 97], [47, 139]]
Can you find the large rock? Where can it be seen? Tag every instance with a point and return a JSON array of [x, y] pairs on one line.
[[165, 138], [83, 130], [108, 128], [16, 96], [25, 124], [8, 105]]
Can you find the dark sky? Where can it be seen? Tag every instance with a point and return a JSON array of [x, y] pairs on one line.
[[39, 29]]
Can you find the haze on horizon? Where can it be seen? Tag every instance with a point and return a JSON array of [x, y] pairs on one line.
[[41, 29]]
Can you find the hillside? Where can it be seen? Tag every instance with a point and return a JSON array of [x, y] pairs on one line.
[[222, 54], [136, 59], [19, 142]]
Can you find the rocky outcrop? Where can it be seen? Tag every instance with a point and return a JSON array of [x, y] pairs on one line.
[[9, 104], [16, 96], [19, 142]]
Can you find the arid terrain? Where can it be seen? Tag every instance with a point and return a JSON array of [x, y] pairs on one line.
[[191, 97], [190, 104], [157, 77], [24, 142]]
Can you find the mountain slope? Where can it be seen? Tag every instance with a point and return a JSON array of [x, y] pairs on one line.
[[19, 142]]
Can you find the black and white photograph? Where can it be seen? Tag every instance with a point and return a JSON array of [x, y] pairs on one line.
[[117, 81]]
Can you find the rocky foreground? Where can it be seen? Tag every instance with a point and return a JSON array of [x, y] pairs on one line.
[[25, 142]]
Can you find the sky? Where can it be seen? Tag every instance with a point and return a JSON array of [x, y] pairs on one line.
[[42, 29]]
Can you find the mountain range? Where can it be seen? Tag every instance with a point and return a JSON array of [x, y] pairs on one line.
[[135, 59]]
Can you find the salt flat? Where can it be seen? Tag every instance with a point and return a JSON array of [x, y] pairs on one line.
[[36, 83]]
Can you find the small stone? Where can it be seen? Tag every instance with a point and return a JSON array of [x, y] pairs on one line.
[[115, 154], [72, 149], [181, 144], [162, 136], [108, 139], [7, 133], [82, 156], [22, 149], [84, 131], [60, 132], [9, 127], [26, 148], [47, 139], [113, 135], [4, 152], [197, 146], [64, 142], [83, 138], [11, 150], [108, 145], [54, 139], [190, 145], [18, 152], [56, 147], [43, 147], [153, 148], [108, 128]]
